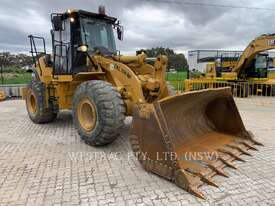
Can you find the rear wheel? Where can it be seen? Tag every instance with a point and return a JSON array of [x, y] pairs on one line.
[[98, 112], [38, 109]]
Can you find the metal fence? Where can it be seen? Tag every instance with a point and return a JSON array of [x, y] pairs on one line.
[[249, 93], [178, 85], [239, 90], [12, 90]]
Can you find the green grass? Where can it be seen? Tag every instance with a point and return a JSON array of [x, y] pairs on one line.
[[14, 70], [15, 75], [18, 78], [177, 79], [176, 76]]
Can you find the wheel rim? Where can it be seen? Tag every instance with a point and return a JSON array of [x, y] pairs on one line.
[[32, 103], [86, 113]]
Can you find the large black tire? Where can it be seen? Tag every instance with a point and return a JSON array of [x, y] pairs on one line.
[[104, 103], [171, 89], [38, 109]]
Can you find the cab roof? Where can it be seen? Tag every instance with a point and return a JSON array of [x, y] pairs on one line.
[[91, 14]]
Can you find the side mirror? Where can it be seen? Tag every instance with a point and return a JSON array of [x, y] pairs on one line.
[[120, 33], [57, 23]]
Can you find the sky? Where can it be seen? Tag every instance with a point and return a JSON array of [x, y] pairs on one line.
[[147, 24]]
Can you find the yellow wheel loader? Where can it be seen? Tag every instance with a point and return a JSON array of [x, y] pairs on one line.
[[86, 75]]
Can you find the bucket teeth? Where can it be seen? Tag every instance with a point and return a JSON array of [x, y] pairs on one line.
[[249, 145], [209, 181], [217, 170], [227, 163], [203, 178], [252, 138], [195, 192], [231, 154], [256, 142], [240, 149]]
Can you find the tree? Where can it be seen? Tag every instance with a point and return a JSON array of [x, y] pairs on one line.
[[176, 62], [15, 60], [4, 58]]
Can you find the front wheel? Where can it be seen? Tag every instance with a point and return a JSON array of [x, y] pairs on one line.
[[98, 112]]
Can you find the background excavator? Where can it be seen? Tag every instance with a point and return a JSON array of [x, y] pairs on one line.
[[252, 67], [86, 75]]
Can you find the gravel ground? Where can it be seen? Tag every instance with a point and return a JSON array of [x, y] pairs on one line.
[[49, 165]]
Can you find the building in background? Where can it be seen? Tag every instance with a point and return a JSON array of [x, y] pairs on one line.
[[198, 59]]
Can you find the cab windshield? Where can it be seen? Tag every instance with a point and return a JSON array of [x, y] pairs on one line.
[[261, 66], [98, 34], [261, 62]]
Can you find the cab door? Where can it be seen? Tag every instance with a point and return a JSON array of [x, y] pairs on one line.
[[61, 42]]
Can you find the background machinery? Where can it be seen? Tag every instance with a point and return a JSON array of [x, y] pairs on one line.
[[252, 67], [86, 75]]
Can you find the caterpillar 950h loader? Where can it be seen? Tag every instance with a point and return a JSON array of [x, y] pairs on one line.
[[86, 75]]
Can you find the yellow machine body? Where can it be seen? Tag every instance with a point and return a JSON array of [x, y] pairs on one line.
[[137, 81]]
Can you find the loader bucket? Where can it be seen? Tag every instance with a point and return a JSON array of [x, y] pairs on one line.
[[191, 137]]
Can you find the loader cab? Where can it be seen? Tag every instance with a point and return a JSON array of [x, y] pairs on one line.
[[77, 35]]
